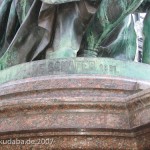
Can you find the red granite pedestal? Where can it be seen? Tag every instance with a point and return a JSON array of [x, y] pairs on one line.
[[75, 112]]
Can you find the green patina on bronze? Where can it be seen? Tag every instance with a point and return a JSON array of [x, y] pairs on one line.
[[77, 66], [50, 29], [109, 15], [12, 14], [146, 47], [95, 25]]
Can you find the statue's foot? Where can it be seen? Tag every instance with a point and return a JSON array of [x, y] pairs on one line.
[[88, 53], [62, 53]]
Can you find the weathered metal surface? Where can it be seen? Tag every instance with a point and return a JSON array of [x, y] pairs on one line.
[[80, 66]]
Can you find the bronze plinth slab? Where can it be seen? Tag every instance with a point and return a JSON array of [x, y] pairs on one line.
[[75, 112]]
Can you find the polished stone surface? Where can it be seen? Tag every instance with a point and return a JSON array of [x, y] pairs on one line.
[[75, 112]]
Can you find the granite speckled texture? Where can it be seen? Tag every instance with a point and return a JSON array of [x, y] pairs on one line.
[[75, 112]]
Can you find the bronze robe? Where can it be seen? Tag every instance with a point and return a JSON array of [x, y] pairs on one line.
[[32, 30]]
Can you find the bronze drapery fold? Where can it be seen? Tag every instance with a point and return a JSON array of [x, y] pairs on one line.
[[32, 29], [12, 15], [39, 28]]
